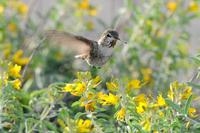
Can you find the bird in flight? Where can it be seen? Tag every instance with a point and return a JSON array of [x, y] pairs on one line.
[[95, 53]]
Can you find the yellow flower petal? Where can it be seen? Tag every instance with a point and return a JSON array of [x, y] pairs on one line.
[[96, 81], [84, 4], [134, 84], [12, 27], [171, 6], [17, 84], [193, 7], [161, 101], [1, 9], [140, 108], [84, 126], [186, 93], [109, 99], [112, 86], [120, 115], [14, 71], [22, 8], [192, 112], [146, 125], [92, 12]]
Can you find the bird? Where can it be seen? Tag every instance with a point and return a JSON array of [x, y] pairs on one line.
[[95, 53]]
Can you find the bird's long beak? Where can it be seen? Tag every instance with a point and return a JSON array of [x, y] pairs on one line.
[[124, 42]]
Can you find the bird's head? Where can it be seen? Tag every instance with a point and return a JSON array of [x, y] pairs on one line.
[[109, 38]]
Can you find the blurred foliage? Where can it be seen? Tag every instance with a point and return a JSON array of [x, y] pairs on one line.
[[137, 91]]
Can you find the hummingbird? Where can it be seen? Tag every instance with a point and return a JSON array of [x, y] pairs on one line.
[[95, 53]]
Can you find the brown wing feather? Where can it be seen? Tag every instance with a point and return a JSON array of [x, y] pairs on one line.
[[70, 42]]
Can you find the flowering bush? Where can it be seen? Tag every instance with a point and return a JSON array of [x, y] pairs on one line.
[[137, 91], [90, 107]]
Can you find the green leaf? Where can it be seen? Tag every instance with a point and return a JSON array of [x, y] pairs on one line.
[[74, 104], [187, 105], [173, 105], [194, 85], [196, 60], [78, 115], [51, 126], [38, 93]]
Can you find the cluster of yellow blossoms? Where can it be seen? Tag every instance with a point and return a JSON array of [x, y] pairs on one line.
[[192, 7], [17, 57], [85, 5], [20, 7], [12, 76], [13, 73], [79, 126], [145, 106]]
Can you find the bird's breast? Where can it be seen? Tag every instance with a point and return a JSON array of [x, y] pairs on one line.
[[105, 51]]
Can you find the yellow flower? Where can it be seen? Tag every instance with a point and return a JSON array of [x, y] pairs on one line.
[[186, 93], [193, 7], [18, 59], [84, 4], [12, 27], [174, 85], [79, 89], [147, 72], [120, 115], [171, 6], [83, 76], [161, 101], [84, 126], [92, 11], [88, 102], [146, 125], [109, 99], [22, 8], [1, 9], [90, 106], [14, 71], [76, 89], [68, 87], [134, 84], [170, 94], [16, 84], [140, 108], [141, 102], [161, 114], [112, 86], [96, 81], [192, 112], [141, 99]]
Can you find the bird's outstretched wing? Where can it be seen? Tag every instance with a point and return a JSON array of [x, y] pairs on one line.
[[70, 42]]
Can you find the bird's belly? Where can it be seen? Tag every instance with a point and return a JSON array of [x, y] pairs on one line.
[[99, 61], [101, 57]]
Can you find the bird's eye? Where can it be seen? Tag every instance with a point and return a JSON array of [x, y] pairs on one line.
[[108, 35]]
